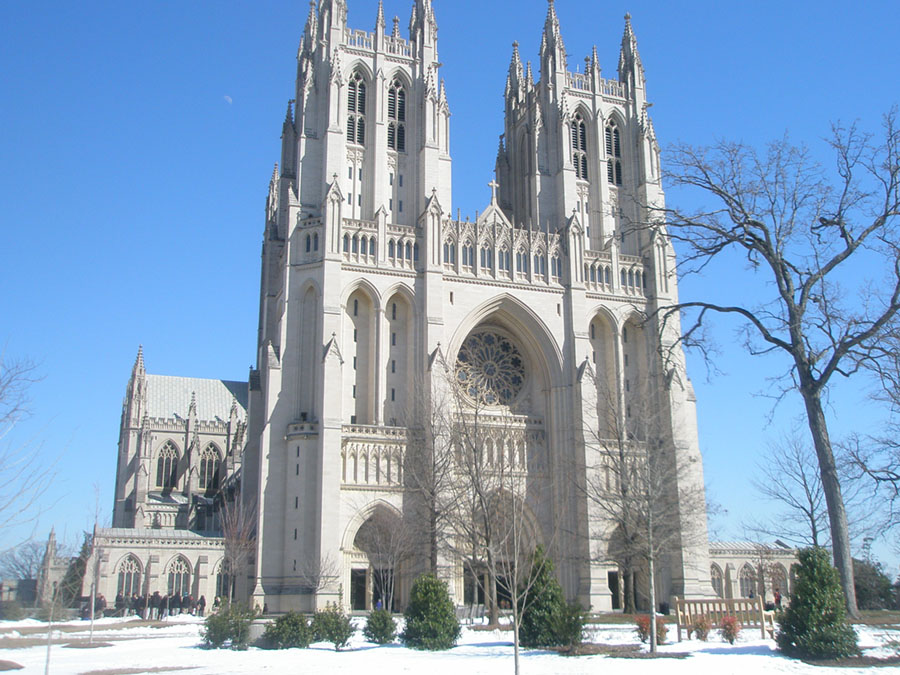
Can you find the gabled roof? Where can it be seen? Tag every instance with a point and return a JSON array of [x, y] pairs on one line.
[[168, 396]]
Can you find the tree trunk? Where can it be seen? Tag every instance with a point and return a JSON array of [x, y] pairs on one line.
[[837, 514], [432, 531], [628, 588]]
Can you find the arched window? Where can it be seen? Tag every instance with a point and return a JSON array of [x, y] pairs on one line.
[[748, 581], [415, 253], [391, 249], [718, 582], [468, 255], [346, 243], [167, 467], [522, 262], [449, 253], [223, 581], [308, 243], [355, 244], [613, 154], [316, 241], [179, 577], [555, 267], [129, 577], [540, 264], [209, 468], [372, 246], [503, 259], [397, 117], [356, 110], [487, 257], [579, 146], [408, 251]]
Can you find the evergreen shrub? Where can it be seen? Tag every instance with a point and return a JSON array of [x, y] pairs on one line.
[[332, 625], [288, 631], [545, 620], [430, 617], [380, 627], [230, 626], [814, 625]]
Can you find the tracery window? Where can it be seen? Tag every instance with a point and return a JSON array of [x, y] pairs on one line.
[[555, 267], [209, 468], [522, 262], [179, 577], [748, 581], [613, 154], [129, 577], [540, 264], [579, 146], [356, 110], [490, 369], [503, 259], [487, 258], [397, 117], [167, 467], [449, 253], [718, 582], [468, 255]]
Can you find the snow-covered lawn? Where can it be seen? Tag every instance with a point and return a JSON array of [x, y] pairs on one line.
[[176, 645]]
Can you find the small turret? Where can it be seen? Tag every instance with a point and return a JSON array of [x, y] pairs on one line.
[[423, 30], [515, 78], [553, 50], [310, 31], [380, 25], [631, 70], [333, 20]]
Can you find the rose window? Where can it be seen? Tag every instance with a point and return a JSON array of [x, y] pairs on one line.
[[490, 369]]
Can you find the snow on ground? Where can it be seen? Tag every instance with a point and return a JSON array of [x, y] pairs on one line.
[[176, 644]]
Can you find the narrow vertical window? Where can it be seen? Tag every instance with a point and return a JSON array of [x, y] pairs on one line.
[[579, 146], [397, 117], [356, 110], [613, 154]]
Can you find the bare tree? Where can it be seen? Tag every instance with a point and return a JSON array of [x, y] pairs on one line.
[[639, 488], [317, 573], [799, 233], [429, 466], [238, 520], [23, 561], [790, 479], [389, 541], [23, 476]]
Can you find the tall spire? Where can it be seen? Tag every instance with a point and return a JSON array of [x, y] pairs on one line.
[[311, 30], [516, 75], [139, 362], [552, 46], [379, 22], [422, 25], [630, 68]]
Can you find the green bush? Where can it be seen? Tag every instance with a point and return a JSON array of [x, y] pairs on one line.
[[380, 627], [545, 618], [815, 626], [230, 626], [288, 631], [332, 625], [571, 625], [430, 617], [10, 610]]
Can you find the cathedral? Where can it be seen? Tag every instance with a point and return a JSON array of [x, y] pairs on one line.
[[382, 314]]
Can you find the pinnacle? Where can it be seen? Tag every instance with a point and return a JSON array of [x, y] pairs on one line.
[[380, 21], [139, 361]]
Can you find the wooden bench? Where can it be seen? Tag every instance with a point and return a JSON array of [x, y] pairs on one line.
[[749, 611]]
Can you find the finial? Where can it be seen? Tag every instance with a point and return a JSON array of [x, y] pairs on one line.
[[139, 361], [396, 31], [493, 185], [380, 21], [628, 16]]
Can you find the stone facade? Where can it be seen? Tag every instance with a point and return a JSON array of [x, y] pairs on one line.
[[375, 304], [738, 568], [370, 289]]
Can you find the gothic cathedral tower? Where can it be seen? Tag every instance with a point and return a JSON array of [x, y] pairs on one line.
[[374, 303]]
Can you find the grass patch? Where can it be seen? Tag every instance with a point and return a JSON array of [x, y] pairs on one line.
[[880, 617], [10, 665], [616, 651], [856, 662], [621, 619], [87, 645]]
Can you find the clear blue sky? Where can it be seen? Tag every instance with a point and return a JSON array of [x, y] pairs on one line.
[[137, 141]]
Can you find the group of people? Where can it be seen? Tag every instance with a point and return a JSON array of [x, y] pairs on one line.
[[157, 607]]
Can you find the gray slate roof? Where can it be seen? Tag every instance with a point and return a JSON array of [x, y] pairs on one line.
[[168, 395]]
